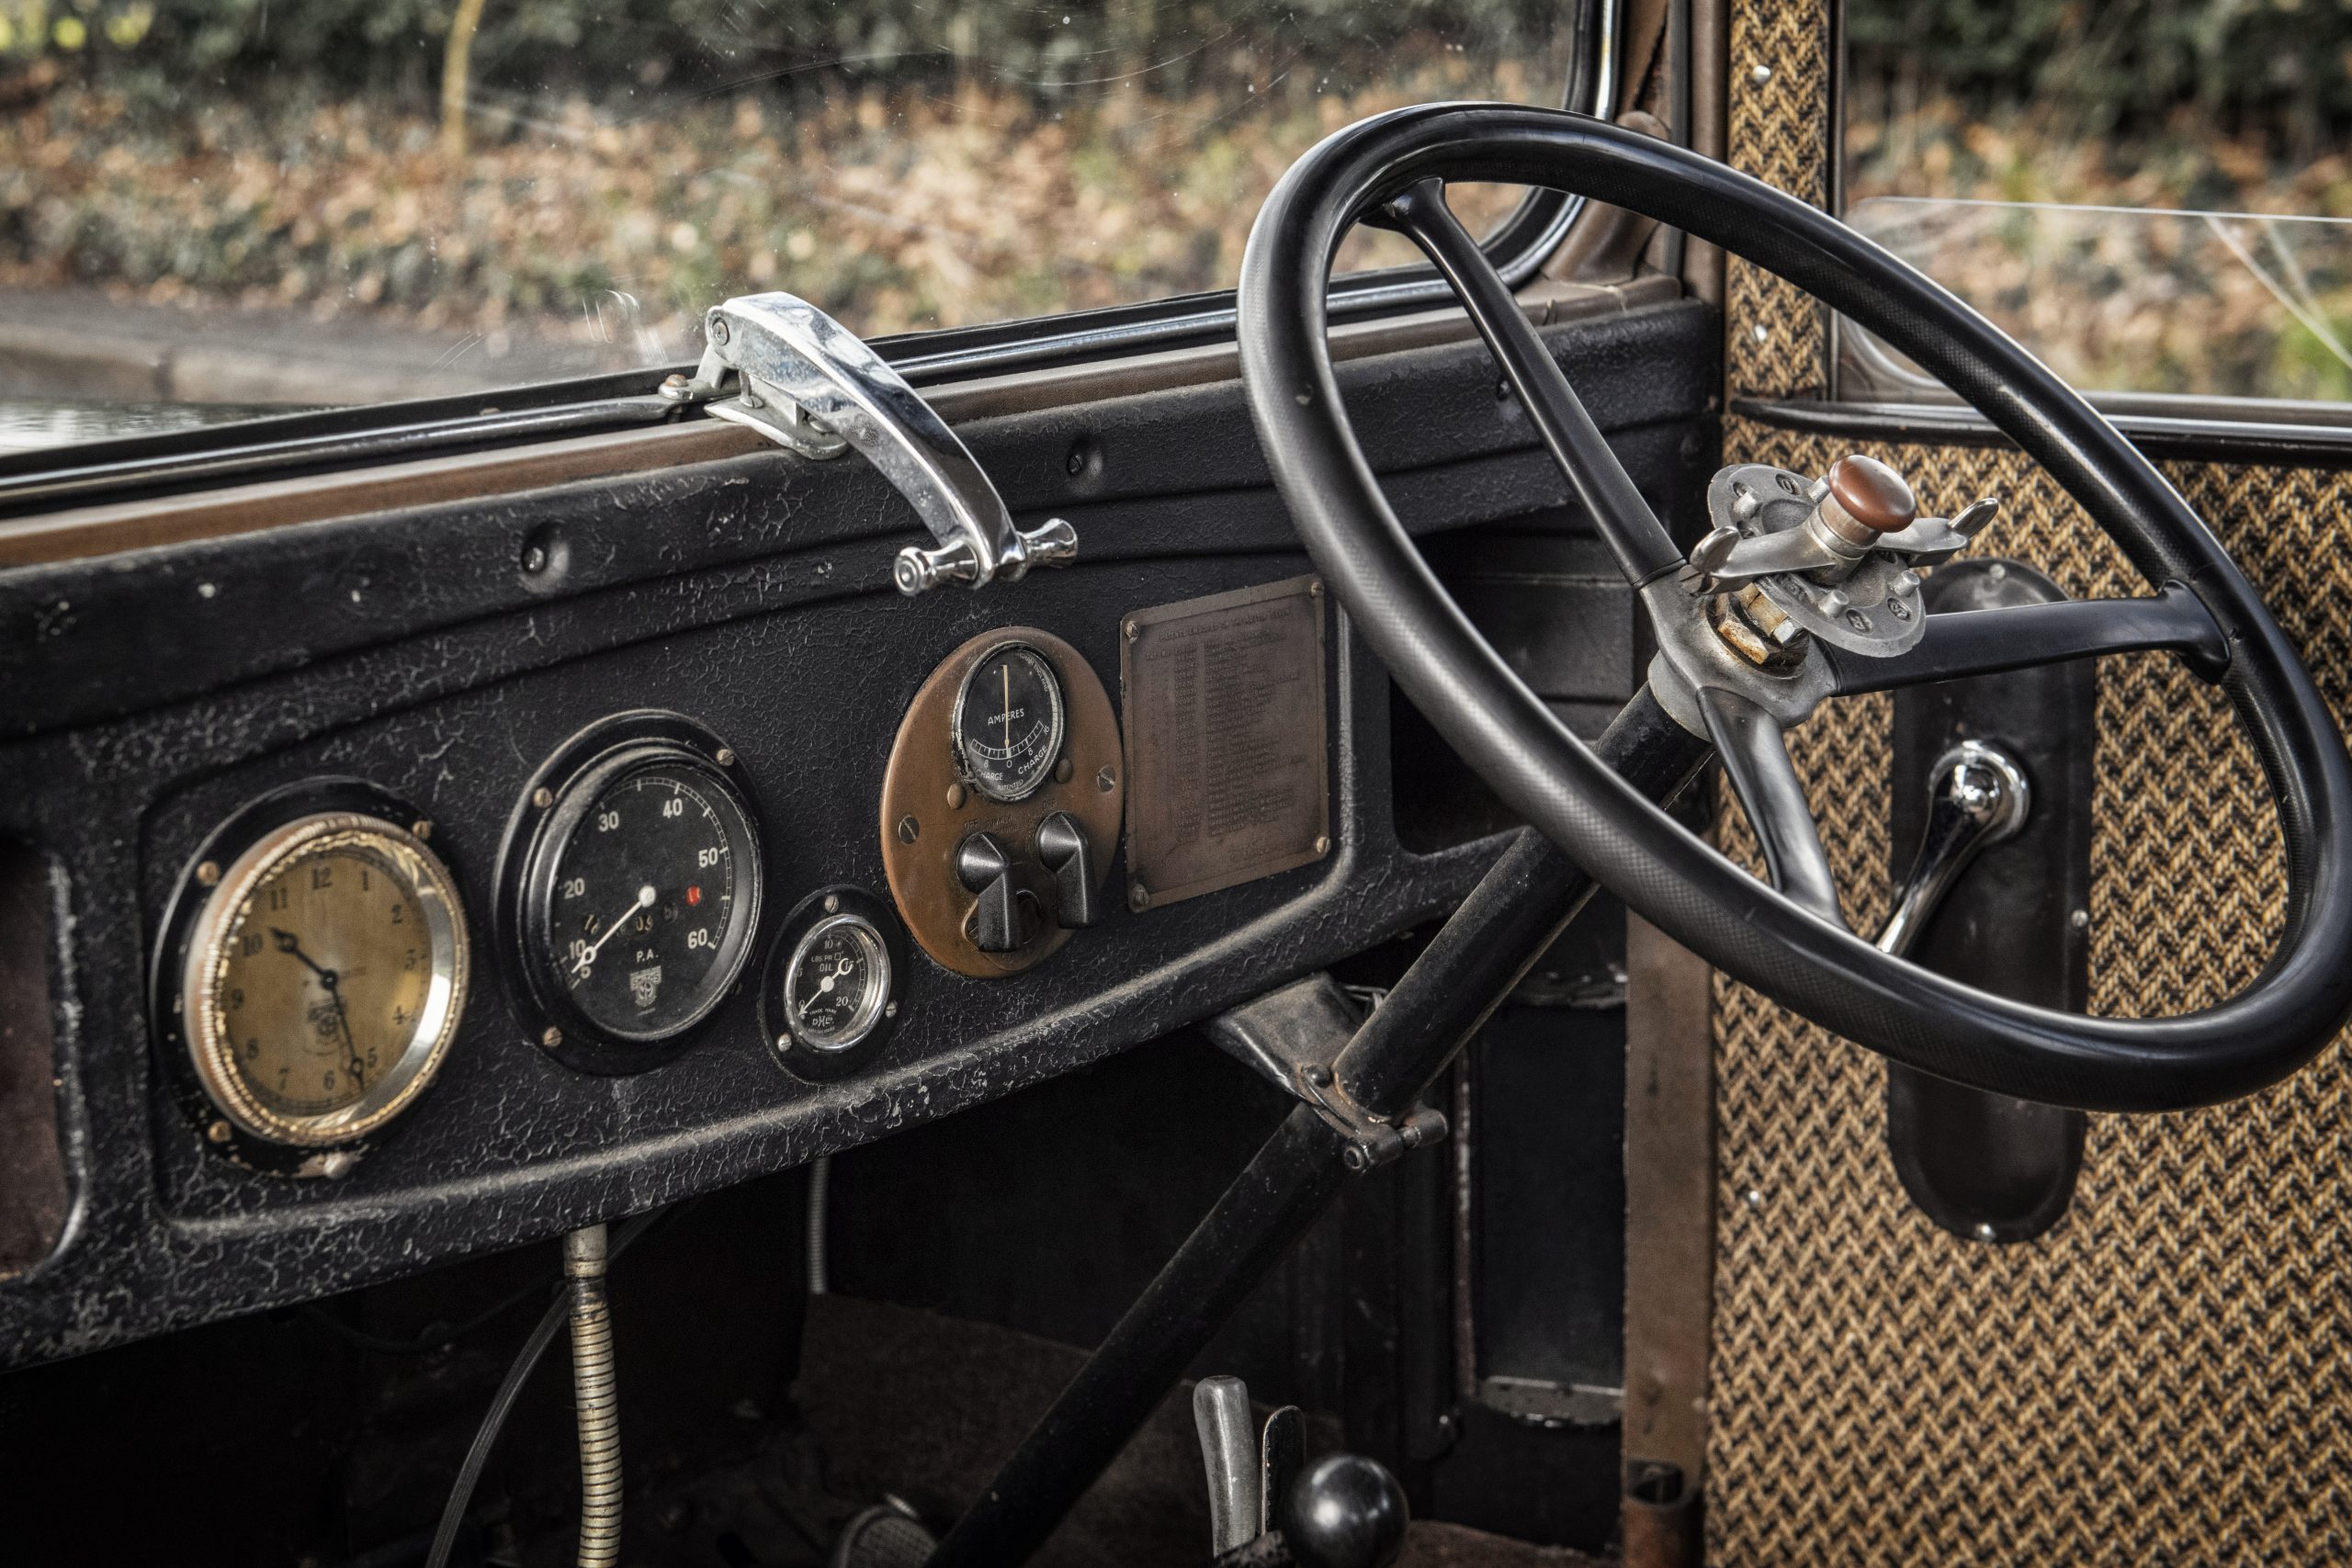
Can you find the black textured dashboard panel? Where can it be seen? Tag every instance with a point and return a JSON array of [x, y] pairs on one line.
[[144, 697]]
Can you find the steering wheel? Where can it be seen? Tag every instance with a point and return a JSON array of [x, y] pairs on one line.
[[1721, 674]]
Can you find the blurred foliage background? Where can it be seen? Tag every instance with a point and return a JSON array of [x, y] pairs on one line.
[[2238, 112], [602, 169], [596, 171]]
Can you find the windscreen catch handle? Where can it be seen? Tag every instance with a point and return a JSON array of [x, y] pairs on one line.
[[806, 382]]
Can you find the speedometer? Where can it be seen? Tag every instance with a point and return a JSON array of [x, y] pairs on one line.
[[640, 899]]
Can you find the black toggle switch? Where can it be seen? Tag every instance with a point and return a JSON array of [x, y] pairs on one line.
[[986, 871], [1061, 846]]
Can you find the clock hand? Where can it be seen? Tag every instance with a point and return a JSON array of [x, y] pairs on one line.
[[289, 942], [644, 900]]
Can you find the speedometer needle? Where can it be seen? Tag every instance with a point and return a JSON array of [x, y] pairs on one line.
[[644, 900]]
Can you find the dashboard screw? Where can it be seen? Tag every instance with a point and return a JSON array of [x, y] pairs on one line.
[[2080, 920], [543, 797], [890, 1010], [208, 874], [1106, 781], [783, 1040], [1134, 631], [422, 828], [1322, 843], [908, 829], [218, 1132], [1315, 589], [725, 757], [717, 328], [1138, 896], [535, 559], [833, 903], [551, 1037]]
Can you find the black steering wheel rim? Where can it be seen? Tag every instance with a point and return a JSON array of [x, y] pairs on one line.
[[1628, 844]]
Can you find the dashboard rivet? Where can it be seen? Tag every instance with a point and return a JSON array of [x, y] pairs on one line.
[[551, 1037], [535, 559], [908, 829], [725, 757], [542, 797], [1760, 75], [218, 1132], [955, 798], [1106, 781], [1062, 771], [1138, 896], [833, 903], [2080, 920], [422, 828], [783, 1040], [208, 874]]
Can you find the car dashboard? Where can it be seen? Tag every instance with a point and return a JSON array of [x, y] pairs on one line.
[[394, 886]]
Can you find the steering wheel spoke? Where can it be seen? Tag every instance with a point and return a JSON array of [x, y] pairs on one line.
[[1638, 539], [1754, 755], [1985, 642]]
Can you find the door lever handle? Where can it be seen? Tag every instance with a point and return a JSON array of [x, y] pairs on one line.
[[1978, 796], [809, 383]]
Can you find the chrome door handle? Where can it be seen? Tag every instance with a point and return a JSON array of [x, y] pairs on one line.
[[808, 383]]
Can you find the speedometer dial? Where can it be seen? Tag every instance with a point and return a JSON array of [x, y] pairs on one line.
[[642, 894], [1008, 722]]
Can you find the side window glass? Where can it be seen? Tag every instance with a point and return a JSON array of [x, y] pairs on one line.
[[2153, 196]]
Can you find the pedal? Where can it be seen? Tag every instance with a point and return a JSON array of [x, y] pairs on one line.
[[887, 1535]]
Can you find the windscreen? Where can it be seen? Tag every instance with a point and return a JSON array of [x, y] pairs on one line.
[[214, 208]]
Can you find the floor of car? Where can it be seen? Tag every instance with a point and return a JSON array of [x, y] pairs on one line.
[[895, 1400]]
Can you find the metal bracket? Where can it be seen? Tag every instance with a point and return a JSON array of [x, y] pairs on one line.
[[1292, 1036], [808, 383]]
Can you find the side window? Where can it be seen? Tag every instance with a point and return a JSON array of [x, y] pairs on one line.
[[2153, 196], [300, 202]]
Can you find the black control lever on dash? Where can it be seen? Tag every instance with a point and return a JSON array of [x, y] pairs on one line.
[[986, 872], [1062, 848]]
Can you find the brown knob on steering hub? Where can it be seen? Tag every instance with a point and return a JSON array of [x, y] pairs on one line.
[[1866, 499]]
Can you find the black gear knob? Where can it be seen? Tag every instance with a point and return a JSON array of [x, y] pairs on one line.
[[1345, 1511]]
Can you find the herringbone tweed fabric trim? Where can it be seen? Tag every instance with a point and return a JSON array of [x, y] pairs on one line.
[[2162, 1378]]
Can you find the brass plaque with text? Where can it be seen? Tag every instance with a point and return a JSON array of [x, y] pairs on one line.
[[1227, 777]]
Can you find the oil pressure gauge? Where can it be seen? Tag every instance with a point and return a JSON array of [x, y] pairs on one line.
[[831, 994], [635, 891]]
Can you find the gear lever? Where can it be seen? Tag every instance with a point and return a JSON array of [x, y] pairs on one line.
[[1343, 1511]]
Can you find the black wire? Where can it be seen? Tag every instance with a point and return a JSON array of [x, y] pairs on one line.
[[502, 1405]]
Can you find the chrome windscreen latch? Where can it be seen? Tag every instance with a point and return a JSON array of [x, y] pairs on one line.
[[808, 383]]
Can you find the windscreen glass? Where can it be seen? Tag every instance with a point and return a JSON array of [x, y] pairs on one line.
[[214, 208]]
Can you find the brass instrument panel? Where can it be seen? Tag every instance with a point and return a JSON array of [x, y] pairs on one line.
[[1001, 802]]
